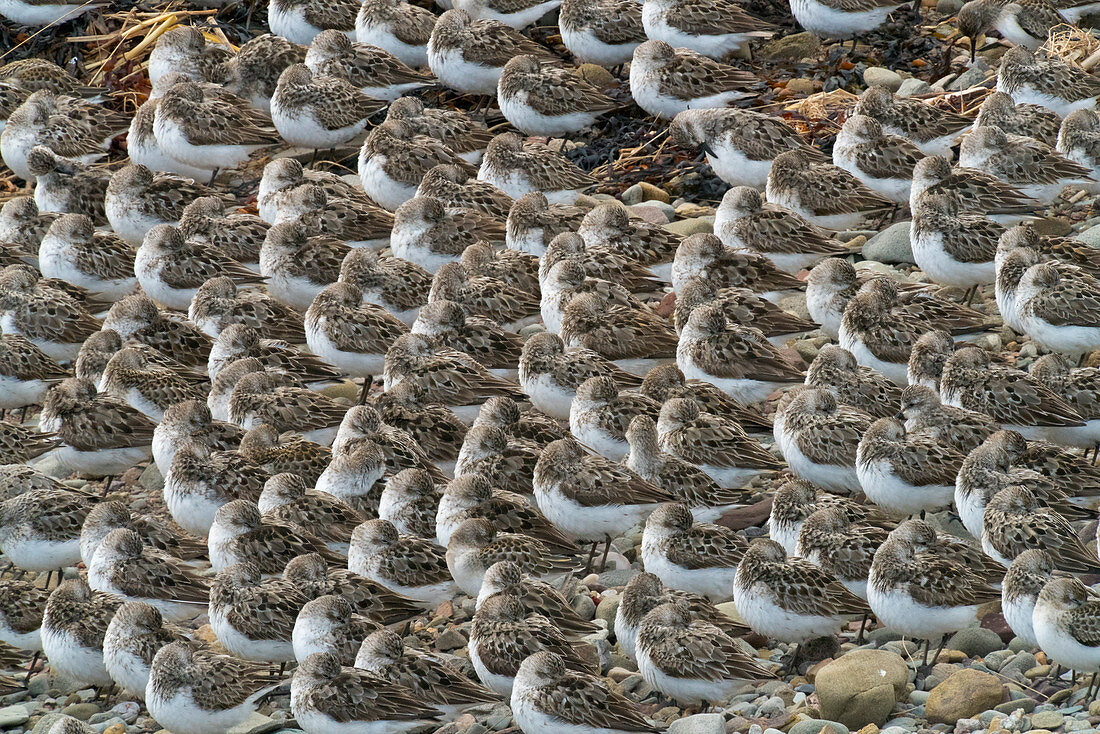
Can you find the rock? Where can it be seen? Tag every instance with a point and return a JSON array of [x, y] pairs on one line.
[[691, 226], [877, 76], [596, 75], [948, 7], [257, 723], [729, 609], [791, 48], [13, 716], [1047, 720], [82, 711], [1090, 237], [800, 85], [1052, 227], [151, 479], [891, 245], [861, 687], [348, 389], [913, 86], [652, 213], [617, 577], [976, 642], [644, 191], [973, 76], [814, 726], [584, 606], [699, 724], [963, 694], [451, 639], [607, 608], [116, 728]]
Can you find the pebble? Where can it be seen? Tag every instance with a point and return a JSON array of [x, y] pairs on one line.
[[82, 711], [257, 723], [948, 7], [1047, 720], [976, 642], [877, 76], [891, 245], [12, 716], [791, 48], [695, 225], [699, 724], [644, 191], [451, 639], [814, 726]]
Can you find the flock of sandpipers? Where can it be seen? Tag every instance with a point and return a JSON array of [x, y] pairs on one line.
[[542, 394]]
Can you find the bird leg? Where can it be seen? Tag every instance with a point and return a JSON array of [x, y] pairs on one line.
[[606, 551], [591, 556], [862, 628], [366, 389], [30, 668], [107, 486]]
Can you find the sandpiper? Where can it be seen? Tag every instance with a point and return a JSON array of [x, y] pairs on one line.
[[219, 304], [589, 497], [409, 501], [635, 340], [310, 574], [394, 158], [665, 81], [715, 443], [299, 265], [1027, 120], [153, 531], [1023, 24], [1062, 615], [101, 262], [299, 21], [546, 695], [833, 19], [519, 167], [137, 318], [932, 129], [506, 462], [481, 338], [286, 499], [600, 414], [238, 341], [427, 233], [66, 185], [22, 604], [194, 690], [927, 359], [330, 624], [319, 111], [132, 377], [822, 193], [739, 361], [842, 548], [533, 223], [669, 650], [503, 635], [26, 372], [475, 545], [101, 435], [241, 534], [134, 636], [237, 234], [1056, 306], [667, 381], [73, 627], [704, 255], [40, 528], [437, 682], [971, 381], [469, 55], [1016, 520], [415, 568], [689, 483], [395, 284], [610, 225], [464, 136], [124, 567], [603, 32], [1026, 577], [51, 320], [545, 99], [698, 558], [199, 481], [184, 50], [324, 696], [210, 134], [1038, 170], [454, 187], [1077, 386], [834, 368], [349, 334], [139, 199], [745, 224], [170, 269], [883, 162], [254, 618], [953, 248], [375, 72], [873, 333], [906, 473], [923, 587], [506, 578], [254, 71], [396, 26], [55, 122], [597, 260], [791, 599], [972, 190], [819, 439]]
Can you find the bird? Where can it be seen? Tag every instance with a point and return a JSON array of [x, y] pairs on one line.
[[665, 81], [1045, 80], [543, 99], [699, 558]]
